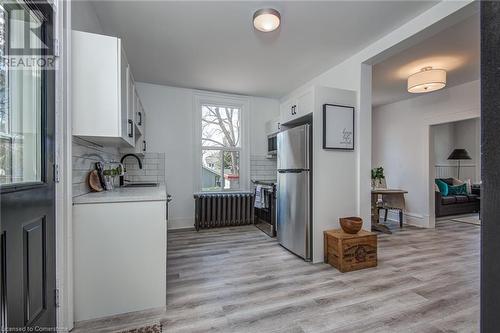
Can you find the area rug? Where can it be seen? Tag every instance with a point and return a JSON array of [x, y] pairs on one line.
[[156, 328], [468, 219]]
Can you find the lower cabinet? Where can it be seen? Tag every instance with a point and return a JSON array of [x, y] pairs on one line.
[[119, 258]]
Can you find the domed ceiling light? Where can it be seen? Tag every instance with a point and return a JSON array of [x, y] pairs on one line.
[[266, 20], [427, 80]]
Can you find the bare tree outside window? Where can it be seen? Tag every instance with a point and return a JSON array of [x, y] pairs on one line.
[[221, 145]]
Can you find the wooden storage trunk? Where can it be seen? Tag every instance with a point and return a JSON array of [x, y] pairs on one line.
[[348, 252]]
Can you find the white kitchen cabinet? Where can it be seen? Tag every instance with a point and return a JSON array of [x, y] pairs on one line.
[[139, 114], [288, 110], [120, 251], [100, 85], [273, 126], [305, 103], [142, 141], [139, 128], [297, 106]]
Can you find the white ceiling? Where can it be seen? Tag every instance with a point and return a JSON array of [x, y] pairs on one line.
[[213, 46], [456, 49]]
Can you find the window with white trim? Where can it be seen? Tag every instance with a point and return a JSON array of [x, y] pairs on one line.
[[221, 147]]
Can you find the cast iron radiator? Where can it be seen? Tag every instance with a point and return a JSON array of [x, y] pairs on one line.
[[214, 210]]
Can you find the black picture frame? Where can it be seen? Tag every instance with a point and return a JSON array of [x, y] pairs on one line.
[[329, 111]]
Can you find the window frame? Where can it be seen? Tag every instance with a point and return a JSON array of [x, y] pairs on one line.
[[221, 100], [47, 86]]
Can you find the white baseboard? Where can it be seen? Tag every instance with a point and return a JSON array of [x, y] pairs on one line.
[[413, 219], [181, 223]]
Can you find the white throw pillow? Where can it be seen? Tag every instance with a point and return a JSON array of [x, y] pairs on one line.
[[469, 186]]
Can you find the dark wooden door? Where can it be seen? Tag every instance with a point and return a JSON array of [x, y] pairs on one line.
[[27, 214], [490, 166]]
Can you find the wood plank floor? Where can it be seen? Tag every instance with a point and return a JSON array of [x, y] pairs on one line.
[[240, 280]]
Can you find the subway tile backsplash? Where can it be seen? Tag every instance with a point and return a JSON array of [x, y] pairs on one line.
[[153, 168], [263, 168], [86, 154]]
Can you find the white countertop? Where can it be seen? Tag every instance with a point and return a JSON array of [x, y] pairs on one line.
[[124, 194]]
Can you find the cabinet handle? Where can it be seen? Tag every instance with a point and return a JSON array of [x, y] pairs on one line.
[[130, 128], [144, 145], [294, 110], [140, 118]]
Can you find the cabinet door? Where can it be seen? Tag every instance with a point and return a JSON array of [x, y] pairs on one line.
[[288, 110], [283, 111], [141, 144], [130, 109], [273, 126], [144, 143], [124, 68], [139, 114], [305, 104], [95, 86]]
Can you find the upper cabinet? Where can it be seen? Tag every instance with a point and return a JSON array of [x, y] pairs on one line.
[[297, 106], [105, 102], [139, 115], [273, 126], [141, 128]]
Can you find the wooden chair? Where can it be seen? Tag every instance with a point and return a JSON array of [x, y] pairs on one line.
[[387, 206]]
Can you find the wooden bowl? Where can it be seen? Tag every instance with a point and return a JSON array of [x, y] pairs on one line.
[[351, 225]]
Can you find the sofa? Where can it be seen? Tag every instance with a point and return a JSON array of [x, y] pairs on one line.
[[457, 204]]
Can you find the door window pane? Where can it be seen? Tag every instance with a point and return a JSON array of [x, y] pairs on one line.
[[20, 102]]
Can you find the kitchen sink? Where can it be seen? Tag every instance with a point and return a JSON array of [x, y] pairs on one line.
[[140, 184]]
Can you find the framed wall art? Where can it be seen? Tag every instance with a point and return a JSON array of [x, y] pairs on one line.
[[338, 127]]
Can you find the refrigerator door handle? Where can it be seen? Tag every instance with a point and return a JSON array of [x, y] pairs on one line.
[[306, 146], [290, 171]]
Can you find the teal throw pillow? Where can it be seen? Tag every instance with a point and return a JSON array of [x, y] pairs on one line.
[[457, 190], [443, 187]]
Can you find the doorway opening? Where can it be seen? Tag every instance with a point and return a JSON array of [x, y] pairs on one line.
[[455, 167], [403, 121]]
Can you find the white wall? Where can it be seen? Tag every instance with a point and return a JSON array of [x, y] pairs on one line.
[[444, 141], [169, 129], [84, 17], [401, 141], [355, 74]]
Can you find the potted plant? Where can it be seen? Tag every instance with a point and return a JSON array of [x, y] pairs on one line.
[[378, 177], [110, 176]]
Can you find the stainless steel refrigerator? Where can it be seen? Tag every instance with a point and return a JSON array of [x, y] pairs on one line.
[[294, 191]]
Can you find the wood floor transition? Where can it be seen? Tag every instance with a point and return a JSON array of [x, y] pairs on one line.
[[240, 280]]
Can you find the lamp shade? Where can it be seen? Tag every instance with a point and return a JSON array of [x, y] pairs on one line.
[[427, 80], [459, 154]]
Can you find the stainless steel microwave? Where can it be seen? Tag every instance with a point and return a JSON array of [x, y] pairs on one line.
[[272, 144]]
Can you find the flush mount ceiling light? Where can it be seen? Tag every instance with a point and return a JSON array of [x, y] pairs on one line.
[[266, 20], [427, 80]]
